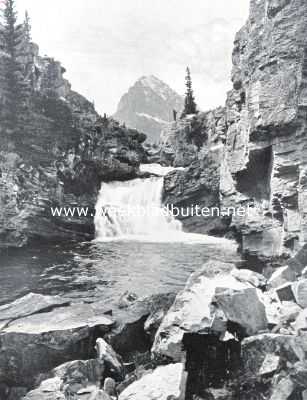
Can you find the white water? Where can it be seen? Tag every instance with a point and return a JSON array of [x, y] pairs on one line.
[[157, 169], [133, 210]]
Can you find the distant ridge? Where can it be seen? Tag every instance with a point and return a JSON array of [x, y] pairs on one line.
[[148, 106]]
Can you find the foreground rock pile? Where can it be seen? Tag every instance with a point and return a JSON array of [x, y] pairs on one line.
[[231, 332]]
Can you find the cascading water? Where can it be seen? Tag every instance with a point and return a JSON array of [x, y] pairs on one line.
[[134, 209]]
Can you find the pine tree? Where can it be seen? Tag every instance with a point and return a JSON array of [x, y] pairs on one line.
[[16, 88], [189, 102], [27, 27]]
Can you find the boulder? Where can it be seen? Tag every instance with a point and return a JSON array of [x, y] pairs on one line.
[[164, 383], [137, 324], [193, 310], [109, 386], [299, 261], [30, 304], [216, 394], [73, 378], [301, 321], [78, 371], [243, 307], [270, 365], [98, 395], [280, 313], [272, 306], [245, 275], [285, 292], [283, 389], [300, 292], [111, 360], [298, 374], [38, 343], [289, 311], [260, 353], [282, 276], [48, 390]]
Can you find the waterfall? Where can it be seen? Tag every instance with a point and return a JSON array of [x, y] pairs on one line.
[[134, 209]]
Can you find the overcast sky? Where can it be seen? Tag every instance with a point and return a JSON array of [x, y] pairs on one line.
[[106, 45]]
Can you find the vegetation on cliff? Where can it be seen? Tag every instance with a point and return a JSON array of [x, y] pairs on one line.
[[54, 146]]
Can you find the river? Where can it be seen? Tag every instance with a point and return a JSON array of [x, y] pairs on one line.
[[143, 254]]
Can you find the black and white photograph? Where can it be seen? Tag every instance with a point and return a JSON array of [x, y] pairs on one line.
[[153, 200]]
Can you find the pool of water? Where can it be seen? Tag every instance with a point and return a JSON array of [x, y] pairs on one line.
[[105, 270]]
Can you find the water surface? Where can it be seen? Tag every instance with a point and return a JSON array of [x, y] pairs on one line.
[[105, 270]]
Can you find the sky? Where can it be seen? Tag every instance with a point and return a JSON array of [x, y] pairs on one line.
[[106, 45]]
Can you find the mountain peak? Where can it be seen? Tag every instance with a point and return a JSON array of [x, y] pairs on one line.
[[148, 106]]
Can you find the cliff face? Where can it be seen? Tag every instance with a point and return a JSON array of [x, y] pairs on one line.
[[63, 153], [148, 106], [264, 151]]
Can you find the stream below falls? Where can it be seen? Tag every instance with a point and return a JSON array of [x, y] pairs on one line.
[[143, 254]]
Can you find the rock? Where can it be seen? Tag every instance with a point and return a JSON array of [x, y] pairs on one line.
[[272, 306], [259, 352], [298, 374], [300, 292], [68, 380], [167, 382], [37, 343], [198, 185], [127, 299], [216, 394], [193, 311], [77, 371], [246, 275], [299, 261], [285, 292], [109, 386], [282, 276], [243, 307], [301, 321], [283, 389], [99, 395], [289, 311], [51, 385], [270, 364], [279, 313], [111, 360], [41, 394], [32, 303], [62, 319], [137, 324]]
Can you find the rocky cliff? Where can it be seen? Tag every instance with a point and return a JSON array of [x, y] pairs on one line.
[[148, 106], [261, 136], [63, 152]]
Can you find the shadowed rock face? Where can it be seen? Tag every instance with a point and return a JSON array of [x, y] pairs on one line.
[[267, 120], [262, 132], [148, 106]]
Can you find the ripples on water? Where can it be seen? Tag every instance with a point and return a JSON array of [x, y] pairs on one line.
[[105, 270]]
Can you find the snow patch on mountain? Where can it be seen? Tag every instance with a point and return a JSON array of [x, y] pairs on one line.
[[148, 106]]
